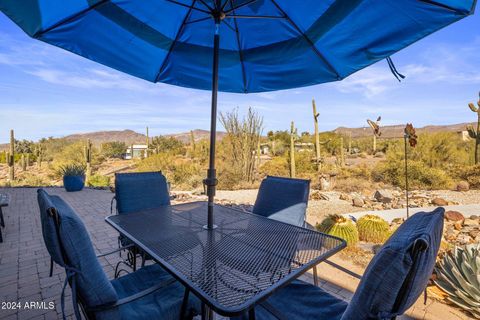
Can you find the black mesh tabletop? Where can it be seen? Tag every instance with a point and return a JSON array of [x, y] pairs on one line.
[[234, 266]]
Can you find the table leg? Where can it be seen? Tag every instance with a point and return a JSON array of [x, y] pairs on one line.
[[251, 314], [183, 309], [207, 313], [2, 222], [315, 276]]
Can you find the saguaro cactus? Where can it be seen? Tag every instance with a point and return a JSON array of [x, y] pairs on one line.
[[39, 155], [317, 137], [11, 157], [23, 163], [192, 143], [475, 134], [88, 160], [376, 131], [148, 145], [342, 153], [293, 137]]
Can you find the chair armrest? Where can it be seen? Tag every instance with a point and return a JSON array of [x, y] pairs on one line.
[[339, 267], [116, 250], [131, 298]]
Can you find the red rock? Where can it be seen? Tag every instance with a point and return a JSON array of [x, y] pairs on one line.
[[440, 202], [454, 216], [463, 186]]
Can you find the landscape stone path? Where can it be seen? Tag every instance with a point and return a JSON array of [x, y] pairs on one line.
[[24, 260]]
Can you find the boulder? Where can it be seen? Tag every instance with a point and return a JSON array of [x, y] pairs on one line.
[[471, 222], [383, 196], [344, 196], [463, 186], [358, 202], [439, 202], [455, 216], [474, 217]]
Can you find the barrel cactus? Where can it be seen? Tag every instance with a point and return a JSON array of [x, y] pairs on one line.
[[458, 274], [339, 226], [372, 228]]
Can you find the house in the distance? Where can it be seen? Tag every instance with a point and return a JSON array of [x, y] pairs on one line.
[[139, 151], [464, 135]]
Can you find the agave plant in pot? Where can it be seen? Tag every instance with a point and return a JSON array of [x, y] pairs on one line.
[[73, 176]]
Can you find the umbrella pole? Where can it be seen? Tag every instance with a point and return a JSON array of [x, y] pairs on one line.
[[211, 180]]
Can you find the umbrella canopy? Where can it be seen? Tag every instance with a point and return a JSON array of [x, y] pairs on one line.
[[264, 44], [234, 45]]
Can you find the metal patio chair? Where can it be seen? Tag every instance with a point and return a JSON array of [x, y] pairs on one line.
[[392, 282], [149, 293], [4, 201], [283, 199], [136, 192]]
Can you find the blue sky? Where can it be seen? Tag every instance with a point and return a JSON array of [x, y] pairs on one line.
[[45, 91]]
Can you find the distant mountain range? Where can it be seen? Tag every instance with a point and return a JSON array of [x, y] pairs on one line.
[[396, 131], [130, 136]]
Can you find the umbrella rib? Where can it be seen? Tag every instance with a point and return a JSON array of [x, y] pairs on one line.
[[241, 16], [198, 20], [239, 6], [68, 19], [187, 6], [180, 30], [240, 52], [312, 45]]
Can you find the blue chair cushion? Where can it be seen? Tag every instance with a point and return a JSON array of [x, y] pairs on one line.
[[395, 266], [164, 303], [140, 191], [301, 300], [93, 285], [283, 199], [49, 231]]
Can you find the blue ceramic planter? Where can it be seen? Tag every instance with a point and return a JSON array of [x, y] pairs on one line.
[[73, 183]]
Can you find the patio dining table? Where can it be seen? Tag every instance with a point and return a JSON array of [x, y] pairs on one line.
[[233, 267]]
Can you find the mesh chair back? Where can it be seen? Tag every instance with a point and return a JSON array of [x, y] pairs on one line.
[[400, 271], [283, 199], [140, 191], [49, 226]]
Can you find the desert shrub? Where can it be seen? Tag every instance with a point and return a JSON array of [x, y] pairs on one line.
[[420, 175], [278, 166], [471, 174], [181, 172], [438, 150], [167, 144], [113, 149], [98, 181], [352, 184]]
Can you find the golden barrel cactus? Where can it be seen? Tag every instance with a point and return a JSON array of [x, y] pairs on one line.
[[339, 226], [372, 228]]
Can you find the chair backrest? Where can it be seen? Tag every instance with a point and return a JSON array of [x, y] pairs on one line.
[[283, 199], [140, 191], [49, 226], [76, 251], [400, 271]]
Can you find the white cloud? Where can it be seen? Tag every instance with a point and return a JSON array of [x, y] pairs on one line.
[[439, 64]]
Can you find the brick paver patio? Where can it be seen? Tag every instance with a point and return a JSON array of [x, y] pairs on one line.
[[24, 260]]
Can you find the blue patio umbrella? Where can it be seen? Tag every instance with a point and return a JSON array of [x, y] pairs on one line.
[[234, 45]]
